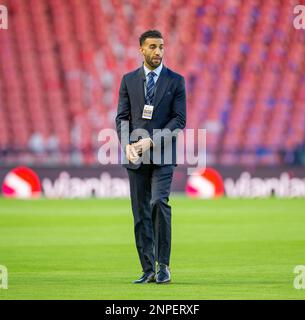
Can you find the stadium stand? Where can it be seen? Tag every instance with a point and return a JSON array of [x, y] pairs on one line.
[[61, 63]]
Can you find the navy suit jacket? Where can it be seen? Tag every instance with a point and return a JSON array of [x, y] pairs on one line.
[[169, 111]]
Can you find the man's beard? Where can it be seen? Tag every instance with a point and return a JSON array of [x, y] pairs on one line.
[[153, 63]]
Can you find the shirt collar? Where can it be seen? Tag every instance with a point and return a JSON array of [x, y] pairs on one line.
[[157, 71]]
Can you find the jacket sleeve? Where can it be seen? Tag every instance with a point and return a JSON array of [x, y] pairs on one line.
[[178, 120], [123, 115]]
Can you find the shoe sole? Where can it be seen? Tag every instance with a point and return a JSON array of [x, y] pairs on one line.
[[163, 282], [149, 281]]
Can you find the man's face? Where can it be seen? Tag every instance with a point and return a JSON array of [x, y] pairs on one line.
[[152, 50]]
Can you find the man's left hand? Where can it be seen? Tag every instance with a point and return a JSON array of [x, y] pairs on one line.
[[142, 145]]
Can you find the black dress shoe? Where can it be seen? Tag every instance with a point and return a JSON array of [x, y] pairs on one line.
[[146, 278], [163, 275]]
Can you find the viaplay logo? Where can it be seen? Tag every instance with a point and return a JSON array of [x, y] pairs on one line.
[[21, 182], [206, 184]]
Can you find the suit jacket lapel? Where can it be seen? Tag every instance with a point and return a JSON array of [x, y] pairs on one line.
[[140, 87], [161, 86]]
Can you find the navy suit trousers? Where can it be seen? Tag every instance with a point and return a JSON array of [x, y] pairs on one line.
[[149, 190]]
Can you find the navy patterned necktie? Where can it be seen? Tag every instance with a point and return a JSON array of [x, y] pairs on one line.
[[150, 88]]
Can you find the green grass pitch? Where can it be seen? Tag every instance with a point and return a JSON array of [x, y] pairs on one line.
[[84, 249]]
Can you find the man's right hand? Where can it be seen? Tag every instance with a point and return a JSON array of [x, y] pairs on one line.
[[132, 154]]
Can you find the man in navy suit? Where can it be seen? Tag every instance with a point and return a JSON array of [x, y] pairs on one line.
[[151, 110]]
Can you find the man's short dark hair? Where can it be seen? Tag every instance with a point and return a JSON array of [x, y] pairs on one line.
[[150, 34]]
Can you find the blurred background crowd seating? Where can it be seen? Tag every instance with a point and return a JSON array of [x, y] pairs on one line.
[[61, 63]]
